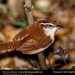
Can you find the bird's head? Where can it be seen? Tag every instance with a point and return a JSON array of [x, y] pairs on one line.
[[49, 27]]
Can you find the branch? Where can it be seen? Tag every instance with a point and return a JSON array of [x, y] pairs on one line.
[[28, 10], [42, 61]]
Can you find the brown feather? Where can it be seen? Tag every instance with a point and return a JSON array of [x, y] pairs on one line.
[[30, 40], [35, 42], [9, 46]]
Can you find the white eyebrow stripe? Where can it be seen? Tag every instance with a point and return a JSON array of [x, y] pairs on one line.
[[47, 24]]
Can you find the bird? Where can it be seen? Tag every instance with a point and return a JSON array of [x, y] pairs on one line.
[[33, 39]]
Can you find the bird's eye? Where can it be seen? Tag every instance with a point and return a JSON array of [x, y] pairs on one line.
[[50, 25]]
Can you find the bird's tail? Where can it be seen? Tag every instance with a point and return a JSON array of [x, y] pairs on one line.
[[9, 46]]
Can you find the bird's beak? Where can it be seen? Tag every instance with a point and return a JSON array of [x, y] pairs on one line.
[[59, 26]]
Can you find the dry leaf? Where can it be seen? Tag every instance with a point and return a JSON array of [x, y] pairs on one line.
[[52, 60], [42, 3], [7, 62], [5, 68], [19, 62]]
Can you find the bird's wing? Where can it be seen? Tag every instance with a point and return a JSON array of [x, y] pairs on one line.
[[21, 35], [33, 46]]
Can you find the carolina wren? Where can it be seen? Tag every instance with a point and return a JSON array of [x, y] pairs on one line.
[[33, 39]]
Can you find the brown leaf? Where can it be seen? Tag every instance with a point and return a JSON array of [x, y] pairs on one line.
[[19, 62]]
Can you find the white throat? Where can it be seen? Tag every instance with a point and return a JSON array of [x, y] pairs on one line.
[[50, 31]]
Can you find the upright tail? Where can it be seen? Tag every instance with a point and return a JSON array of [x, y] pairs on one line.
[[9, 46]]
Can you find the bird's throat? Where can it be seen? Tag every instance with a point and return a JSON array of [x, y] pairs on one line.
[[50, 32]]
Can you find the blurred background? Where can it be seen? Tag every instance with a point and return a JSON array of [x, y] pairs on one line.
[[13, 20]]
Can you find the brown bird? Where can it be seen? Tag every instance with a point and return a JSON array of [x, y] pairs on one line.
[[33, 39]]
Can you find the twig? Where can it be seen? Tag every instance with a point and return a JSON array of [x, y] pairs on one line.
[[69, 51], [62, 51], [28, 10]]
